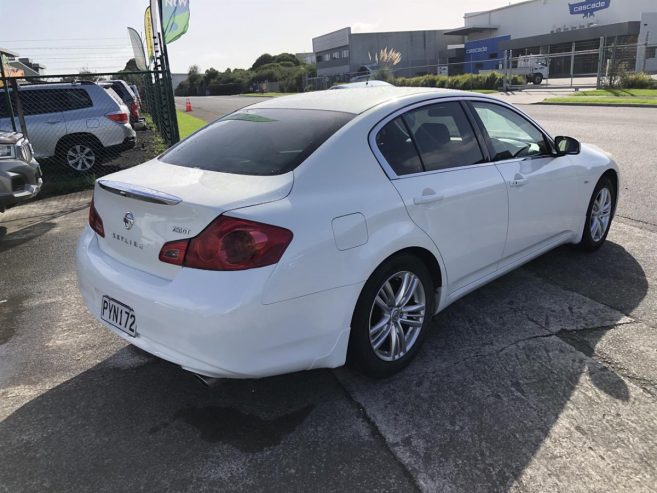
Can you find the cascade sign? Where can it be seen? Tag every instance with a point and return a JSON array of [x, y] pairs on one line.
[[588, 8]]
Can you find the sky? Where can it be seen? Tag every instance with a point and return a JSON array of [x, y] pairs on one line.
[[69, 35]]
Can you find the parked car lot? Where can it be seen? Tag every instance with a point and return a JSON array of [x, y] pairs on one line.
[[78, 124], [129, 98], [543, 380], [20, 174]]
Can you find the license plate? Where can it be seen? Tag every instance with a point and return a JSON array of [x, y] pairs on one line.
[[119, 315]]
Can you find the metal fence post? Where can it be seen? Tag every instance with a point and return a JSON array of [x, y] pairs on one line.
[[572, 65], [601, 57], [10, 109], [19, 107]]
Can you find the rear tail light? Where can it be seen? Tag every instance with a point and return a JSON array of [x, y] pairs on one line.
[[95, 220], [229, 243], [134, 110], [174, 252], [118, 117]]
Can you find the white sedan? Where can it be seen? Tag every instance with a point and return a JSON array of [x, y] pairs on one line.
[[310, 230]]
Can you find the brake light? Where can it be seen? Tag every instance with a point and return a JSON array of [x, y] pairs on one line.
[[118, 117], [173, 252], [229, 243], [134, 110], [95, 220]]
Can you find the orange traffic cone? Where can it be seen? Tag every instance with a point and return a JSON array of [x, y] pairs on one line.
[[188, 105]]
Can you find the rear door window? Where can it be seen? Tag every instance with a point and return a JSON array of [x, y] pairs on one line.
[[78, 99], [257, 141], [444, 136]]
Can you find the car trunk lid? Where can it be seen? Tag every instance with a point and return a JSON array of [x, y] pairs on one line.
[[144, 207]]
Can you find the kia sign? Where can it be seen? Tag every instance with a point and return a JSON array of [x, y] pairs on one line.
[[588, 8]]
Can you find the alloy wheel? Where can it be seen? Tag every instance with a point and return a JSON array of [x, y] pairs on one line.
[[81, 157], [600, 214], [397, 316]]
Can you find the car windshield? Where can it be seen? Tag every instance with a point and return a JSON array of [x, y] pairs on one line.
[[257, 141]]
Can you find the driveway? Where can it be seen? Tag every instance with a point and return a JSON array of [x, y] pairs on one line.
[[544, 380]]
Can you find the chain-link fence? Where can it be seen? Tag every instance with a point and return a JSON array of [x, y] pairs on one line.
[[82, 126], [594, 63]]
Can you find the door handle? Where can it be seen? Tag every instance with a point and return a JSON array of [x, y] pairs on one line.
[[518, 182], [54, 122], [427, 199]]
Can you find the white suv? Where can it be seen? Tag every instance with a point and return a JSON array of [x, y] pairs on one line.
[[78, 123]]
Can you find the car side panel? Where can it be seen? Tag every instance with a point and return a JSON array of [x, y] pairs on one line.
[[340, 179], [93, 121]]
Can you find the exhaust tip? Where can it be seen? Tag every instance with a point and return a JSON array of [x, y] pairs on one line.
[[208, 382]]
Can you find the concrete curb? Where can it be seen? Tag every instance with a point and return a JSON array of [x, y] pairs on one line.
[[544, 103]]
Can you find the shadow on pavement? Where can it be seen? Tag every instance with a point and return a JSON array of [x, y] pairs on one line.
[[494, 377], [469, 415], [13, 240], [138, 423]]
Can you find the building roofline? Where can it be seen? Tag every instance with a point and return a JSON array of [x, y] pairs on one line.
[[406, 31], [333, 32], [5, 51], [470, 14]]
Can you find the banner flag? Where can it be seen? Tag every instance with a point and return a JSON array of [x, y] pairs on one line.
[[175, 19], [137, 49], [148, 30]]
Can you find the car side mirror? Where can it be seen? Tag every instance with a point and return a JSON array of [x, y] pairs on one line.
[[567, 145]]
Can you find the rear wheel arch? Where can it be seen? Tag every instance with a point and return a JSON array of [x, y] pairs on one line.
[[428, 259], [406, 319], [77, 138]]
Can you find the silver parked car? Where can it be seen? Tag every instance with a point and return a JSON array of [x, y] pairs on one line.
[[20, 174], [78, 123]]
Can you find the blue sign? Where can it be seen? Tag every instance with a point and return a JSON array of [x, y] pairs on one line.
[[483, 54], [588, 8]]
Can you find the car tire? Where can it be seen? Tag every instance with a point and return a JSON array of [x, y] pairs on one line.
[[388, 327], [538, 78], [599, 215], [81, 155]]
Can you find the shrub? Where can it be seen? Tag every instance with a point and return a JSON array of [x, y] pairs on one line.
[[637, 80]]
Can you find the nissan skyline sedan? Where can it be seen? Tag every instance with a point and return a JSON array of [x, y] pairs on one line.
[[329, 227]]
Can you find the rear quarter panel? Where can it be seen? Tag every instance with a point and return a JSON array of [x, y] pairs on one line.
[[341, 178], [93, 121]]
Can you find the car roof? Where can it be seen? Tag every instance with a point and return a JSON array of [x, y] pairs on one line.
[[364, 83], [56, 85], [357, 100]]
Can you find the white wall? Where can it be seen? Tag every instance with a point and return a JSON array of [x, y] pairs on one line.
[[538, 17], [647, 35]]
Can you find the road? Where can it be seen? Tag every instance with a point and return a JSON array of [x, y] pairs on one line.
[[544, 380]]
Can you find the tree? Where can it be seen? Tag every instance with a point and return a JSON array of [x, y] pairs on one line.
[[287, 57], [264, 59]]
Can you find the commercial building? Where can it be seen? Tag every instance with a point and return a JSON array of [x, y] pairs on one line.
[[550, 27], [345, 53], [546, 27]]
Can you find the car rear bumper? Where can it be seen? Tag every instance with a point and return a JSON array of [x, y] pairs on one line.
[[128, 143], [214, 323]]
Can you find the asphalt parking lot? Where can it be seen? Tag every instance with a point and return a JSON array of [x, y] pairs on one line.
[[544, 380]]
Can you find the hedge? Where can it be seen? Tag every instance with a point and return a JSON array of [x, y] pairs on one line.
[[493, 80]]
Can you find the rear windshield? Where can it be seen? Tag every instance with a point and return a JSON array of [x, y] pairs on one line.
[[257, 141]]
